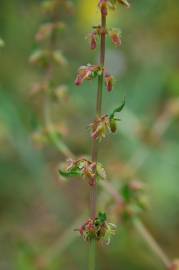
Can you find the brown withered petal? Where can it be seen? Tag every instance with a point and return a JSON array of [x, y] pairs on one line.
[[115, 38], [109, 82], [100, 127], [85, 73], [82, 75], [93, 41]]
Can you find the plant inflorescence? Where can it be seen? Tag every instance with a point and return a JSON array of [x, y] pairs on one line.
[[96, 227], [129, 197], [49, 59]]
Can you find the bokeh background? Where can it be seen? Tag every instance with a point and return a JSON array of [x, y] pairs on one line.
[[38, 212]]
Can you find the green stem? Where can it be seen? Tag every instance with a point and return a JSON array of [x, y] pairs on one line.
[[93, 191], [92, 255]]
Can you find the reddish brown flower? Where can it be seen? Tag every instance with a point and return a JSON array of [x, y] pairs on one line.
[[97, 228], [86, 73], [108, 81], [89, 169], [115, 37], [93, 40], [100, 127]]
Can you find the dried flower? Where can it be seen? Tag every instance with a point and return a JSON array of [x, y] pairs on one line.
[[97, 229], [85, 168], [87, 73], [93, 40], [115, 37], [109, 82], [105, 124], [100, 127]]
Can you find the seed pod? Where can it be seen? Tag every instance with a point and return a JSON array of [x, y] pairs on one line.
[[113, 125]]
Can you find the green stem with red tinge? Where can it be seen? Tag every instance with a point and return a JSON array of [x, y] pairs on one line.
[[93, 191]]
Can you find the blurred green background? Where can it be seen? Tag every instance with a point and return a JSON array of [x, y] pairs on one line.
[[37, 212]]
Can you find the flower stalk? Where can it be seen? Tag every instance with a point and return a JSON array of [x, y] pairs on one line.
[[98, 113], [93, 191]]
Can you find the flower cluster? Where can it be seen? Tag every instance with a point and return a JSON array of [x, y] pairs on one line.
[[85, 168], [97, 229], [97, 32], [87, 73], [104, 5], [100, 127], [105, 124], [114, 34], [47, 56], [90, 72]]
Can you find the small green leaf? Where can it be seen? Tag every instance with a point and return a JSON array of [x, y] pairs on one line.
[[102, 217], [118, 109], [71, 173], [94, 74]]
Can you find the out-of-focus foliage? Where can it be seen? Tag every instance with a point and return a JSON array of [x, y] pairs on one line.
[[36, 210]]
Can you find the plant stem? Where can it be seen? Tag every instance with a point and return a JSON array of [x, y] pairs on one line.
[[93, 191], [98, 114], [92, 255], [152, 243]]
